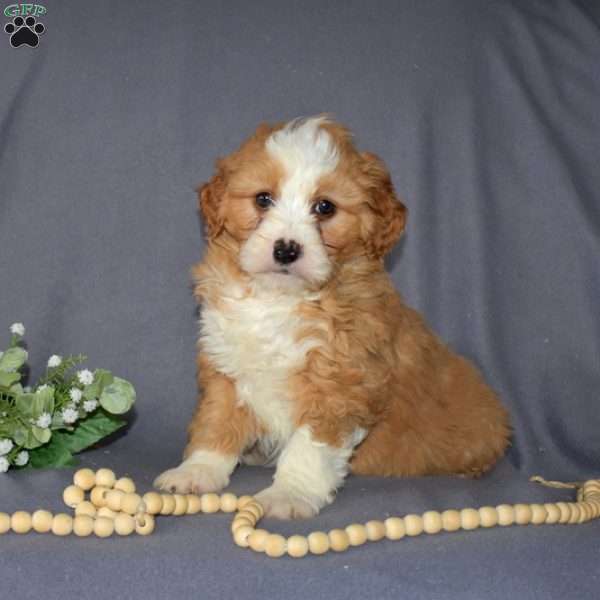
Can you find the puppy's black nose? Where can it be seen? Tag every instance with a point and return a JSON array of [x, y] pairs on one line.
[[286, 252]]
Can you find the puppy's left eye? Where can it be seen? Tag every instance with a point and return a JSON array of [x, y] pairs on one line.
[[323, 208]]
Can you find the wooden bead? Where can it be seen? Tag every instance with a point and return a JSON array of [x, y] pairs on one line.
[[522, 514], [181, 505], [153, 502], [538, 514], [194, 505], [86, 508], [257, 540], [125, 485], [114, 499], [85, 479], [575, 513], [62, 524], [585, 512], [488, 516], [432, 522], [413, 524], [20, 522], [124, 524], [394, 528], [229, 503], [105, 478], [552, 513], [298, 546], [83, 525], [144, 524], [73, 495], [210, 503], [104, 511], [339, 540], [375, 531], [451, 520], [255, 508], [104, 527], [357, 534], [41, 521], [565, 512], [243, 500], [132, 504], [275, 546], [240, 535], [246, 514], [168, 504], [506, 515], [98, 496], [469, 519], [4, 522], [241, 522], [318, 542]]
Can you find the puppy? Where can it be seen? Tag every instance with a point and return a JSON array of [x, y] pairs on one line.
[[308, 358]]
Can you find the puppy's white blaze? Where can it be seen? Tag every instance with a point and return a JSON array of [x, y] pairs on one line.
[[306, 153], [304, 144], [313, 470]]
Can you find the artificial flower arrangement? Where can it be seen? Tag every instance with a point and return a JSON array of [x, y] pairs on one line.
[[65, 412]]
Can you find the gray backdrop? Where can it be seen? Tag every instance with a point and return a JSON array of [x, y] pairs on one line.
[[487, 114]]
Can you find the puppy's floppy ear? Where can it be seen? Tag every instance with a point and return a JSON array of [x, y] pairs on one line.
[[389, 213], [210, 196]]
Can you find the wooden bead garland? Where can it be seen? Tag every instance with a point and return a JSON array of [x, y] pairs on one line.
[[114, 506]]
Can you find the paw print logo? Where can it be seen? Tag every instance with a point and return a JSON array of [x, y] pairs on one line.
[[24, 31]]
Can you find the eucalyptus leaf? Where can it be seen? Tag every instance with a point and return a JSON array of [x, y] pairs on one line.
[[8, 379], [19, 435], [12, 359], [43, 401], [31, 441], [24, 404], [16, 388], [41, 435], [118, 397]]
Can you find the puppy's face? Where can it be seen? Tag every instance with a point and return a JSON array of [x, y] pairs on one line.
[[298, 200]]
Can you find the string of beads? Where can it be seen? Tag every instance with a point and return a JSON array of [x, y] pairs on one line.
[[114, 506]]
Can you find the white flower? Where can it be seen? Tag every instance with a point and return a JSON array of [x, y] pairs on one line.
[[54, 361], [70, 415], [42, 387], [3, 464], [17, 329], [44, 420], [22, 458], [75, 395], [90, 405], [6, 446], [86, 377]]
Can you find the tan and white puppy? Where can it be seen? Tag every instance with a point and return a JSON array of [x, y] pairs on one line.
[[308, 359]]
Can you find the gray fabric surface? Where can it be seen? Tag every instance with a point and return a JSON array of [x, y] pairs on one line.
[[487, 115]]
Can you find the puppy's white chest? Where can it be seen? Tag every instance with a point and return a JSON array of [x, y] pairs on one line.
[[253, 340]]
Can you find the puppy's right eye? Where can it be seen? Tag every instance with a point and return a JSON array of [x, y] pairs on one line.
[[264, 200]]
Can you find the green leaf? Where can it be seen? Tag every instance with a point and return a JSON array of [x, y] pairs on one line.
[[118, 397], [31, 440], [102, 379], [7, 379], [43, 401], [12, 359], [59, 450], [54, 454], [41, 435], [20, 435], [24, 404], [16, 388]]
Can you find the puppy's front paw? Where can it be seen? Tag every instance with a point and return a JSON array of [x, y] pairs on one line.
[[281, 503], [192, 479]]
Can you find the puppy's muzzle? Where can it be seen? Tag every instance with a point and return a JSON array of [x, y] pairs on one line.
[[286, 252]]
